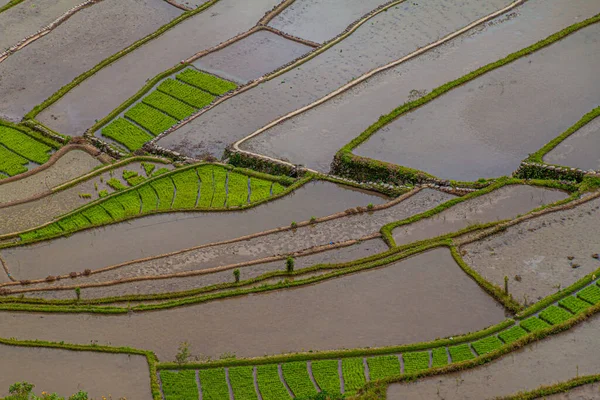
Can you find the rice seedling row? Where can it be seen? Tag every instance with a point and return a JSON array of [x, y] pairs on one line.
[[114, 208], [116, 184], [220, 191], [150, 118], [298, 380], [186, 93], [460, 353], [534, 324], [555, 315], [23, 145], [487, 345], [169, 105], [126, 133], [439, 357], [383, 366], [186, 185], [165, 190], [510, 335], [206, 82], [213, 383], [574, 304], [269, 383], [327, 375], [179, 385], [242, 383], [416, 361], [591, 294], [237, 189], [11, 163], [353, 372]]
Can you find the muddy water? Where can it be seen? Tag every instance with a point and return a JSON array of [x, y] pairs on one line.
[[77, 111], [386, 37], [580, 150], [553, 360], [28, 17], [73, 48], [586, 392], [34, 213], [372, 308], [313, 138], [344, 254], [73, 164], [252, 57], [163, 233], [538, 249], [504, 203], [321, 20], [463, 135], [66, 372]]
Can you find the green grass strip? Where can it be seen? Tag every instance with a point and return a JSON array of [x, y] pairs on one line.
[[124, 132], [169, 105], [534, 324], [487, 345], [461, 353], [383, 366], [574, 304], [297, 378], [242, 383], [353, 372], [327, 375], [23, 145], [510, 335], [591, 294], [208, 83], [11, 163], [150, 118], [269, 383], [179, 385], [186, 93], [214, 384], [416, 361], [439, 357], [555, 315], [186, 184]]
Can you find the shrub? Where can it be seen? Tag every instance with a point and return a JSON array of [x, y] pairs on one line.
[[183, 353], [289, 264], [236, 275]]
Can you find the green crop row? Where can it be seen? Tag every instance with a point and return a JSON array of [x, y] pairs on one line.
[[327, 376], [512, 334], [242, 383], [534, 324], [124, 132], [186, 93], [591, 294], [353, 372], [10, 163], [269, 383], [383, 366], [150, 118], [460, 353], [116, 184], [23, 145], [208, 83], [213, 383], [179, 385], [169, 105], [416, 361], [574, 304], [186, 186], [487, 345], [439, 357], [297, 378], [555, 315]]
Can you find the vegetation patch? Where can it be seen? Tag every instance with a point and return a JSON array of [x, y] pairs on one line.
[[214, 384], [126, 133], [534, 324], [353, 371], [461, 353], [383, 366], [242, 383], [186, 93], [269, 384], [510, 335], [11, 163], [487, 345], [179, 385], [298, 380], [416, 361], [208, 83], [150, 118], [574, 304], [555, 315], [169, 105], [591, 294], [439, 357], [20, 143], [326, 374]]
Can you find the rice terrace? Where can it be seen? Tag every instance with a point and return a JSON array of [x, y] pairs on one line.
[[299, 199]]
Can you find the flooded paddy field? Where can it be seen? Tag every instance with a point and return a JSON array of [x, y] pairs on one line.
[[71, 165], [463, 135], [77, 111], [580, 150], [66, 372], [546, 253], [30, 16], [313, 137], [585, 392], [504, 203], [371, 308], [321, 20], [252, 57], [73, 48], [163, 233], [384, 38], [553, 360], [344, 254]]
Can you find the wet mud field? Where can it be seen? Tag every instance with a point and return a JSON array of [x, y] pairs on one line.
[[580, 150]]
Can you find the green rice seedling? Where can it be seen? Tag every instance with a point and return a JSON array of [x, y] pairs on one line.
[[326, 375], [220, 195], [277, 188], [353, 371], [415, 361], [122, 131], [103, 193], [136, 180], [487, 345], [296, 376], [237, 189], [242, 383], [186, 93], [150, 118], [11, 163], [50, 230], [130, 202], [439, 357], [160, 171], [114, 208], [206, 82], [269, 383], [169, 105], [574, 305], [97, 215], [186, 184], [74, 222], [555, 315], [383, 366], [459, 353], [510, 335], [207, 187], [259, 189], [129, 174], [179, 385], [165, 190], [214, 384], [24, 145], [148, 167], [116, 184], [534, 324], [149, 199], [591, 294]]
